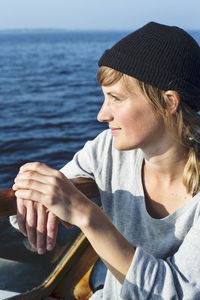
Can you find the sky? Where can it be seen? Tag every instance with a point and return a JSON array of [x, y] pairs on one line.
[[97, 14]]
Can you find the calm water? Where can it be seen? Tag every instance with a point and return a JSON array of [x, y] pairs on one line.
[[49, 99], [49, 96]]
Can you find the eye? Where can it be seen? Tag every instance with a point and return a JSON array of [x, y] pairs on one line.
[[115, 98]]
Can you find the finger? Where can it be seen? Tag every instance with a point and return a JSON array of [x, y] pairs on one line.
[[29, 195], [42, 216], [38, 167], [31, 223], [21, 215], [33, 175], [52, 230], [30, 184]]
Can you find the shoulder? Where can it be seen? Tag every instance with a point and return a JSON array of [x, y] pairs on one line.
[[87, 159], [100, 145], [104, 138]]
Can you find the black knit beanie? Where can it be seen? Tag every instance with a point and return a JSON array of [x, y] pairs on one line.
[[166, 57]]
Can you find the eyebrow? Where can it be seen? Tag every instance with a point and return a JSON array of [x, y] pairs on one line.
[[115, 93]]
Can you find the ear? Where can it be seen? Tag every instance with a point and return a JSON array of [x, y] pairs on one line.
[[172, 102]]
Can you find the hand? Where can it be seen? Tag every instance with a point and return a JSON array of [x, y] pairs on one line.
[[39, 225], [49, 187]]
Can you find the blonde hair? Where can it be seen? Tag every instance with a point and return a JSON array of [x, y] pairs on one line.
[[184, 124]]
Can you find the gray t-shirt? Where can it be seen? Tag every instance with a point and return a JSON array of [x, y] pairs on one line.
[[166, 264]]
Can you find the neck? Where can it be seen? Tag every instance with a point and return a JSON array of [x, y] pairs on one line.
[[167, 160]]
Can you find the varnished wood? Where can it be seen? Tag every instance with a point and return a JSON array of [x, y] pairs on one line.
[[75, 279], [68, 281], [7, 203], [82, 290], [70, 278]]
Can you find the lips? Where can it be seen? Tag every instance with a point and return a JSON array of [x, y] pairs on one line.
[[114, 129]]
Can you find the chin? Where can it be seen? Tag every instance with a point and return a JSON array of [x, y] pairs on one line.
[[124, 147]]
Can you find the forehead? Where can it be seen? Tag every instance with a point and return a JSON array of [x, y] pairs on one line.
[[126, 85]]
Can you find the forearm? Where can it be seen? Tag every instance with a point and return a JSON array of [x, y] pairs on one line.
[[116, 252]]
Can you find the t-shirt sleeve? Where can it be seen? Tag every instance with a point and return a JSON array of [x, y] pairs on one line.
[[176, 277], [81, 165], [88, 161]]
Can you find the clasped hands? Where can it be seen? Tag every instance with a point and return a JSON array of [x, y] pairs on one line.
[[45, 195]]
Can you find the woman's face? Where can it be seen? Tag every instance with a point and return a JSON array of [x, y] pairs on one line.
[[130, 117]]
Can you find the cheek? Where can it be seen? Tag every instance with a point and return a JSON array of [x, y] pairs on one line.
[[141, 122], [137, 118]]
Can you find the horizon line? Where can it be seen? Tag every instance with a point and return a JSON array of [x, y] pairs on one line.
[[77, 29]]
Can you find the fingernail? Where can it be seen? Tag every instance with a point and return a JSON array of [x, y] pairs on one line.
[[40, 251], [49, 247]]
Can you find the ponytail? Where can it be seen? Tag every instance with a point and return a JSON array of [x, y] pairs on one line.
[[184, 125], [191, 173]]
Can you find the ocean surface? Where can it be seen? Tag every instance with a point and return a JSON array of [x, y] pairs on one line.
[[49, 99], [49, 96]]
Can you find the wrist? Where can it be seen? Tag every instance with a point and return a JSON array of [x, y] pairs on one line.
[[92, 217]]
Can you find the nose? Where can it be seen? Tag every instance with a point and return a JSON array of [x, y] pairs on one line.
[[105, 114]]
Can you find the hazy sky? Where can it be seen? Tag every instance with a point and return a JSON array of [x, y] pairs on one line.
[[97, 14]]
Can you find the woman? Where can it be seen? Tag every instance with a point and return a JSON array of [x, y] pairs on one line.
[[146, 167]]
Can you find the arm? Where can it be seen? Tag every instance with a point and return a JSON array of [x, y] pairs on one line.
[[176, 277], [82, 165], [116, 252], [53, 190]]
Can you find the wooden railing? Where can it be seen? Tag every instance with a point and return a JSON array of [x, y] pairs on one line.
[[70, 278]]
